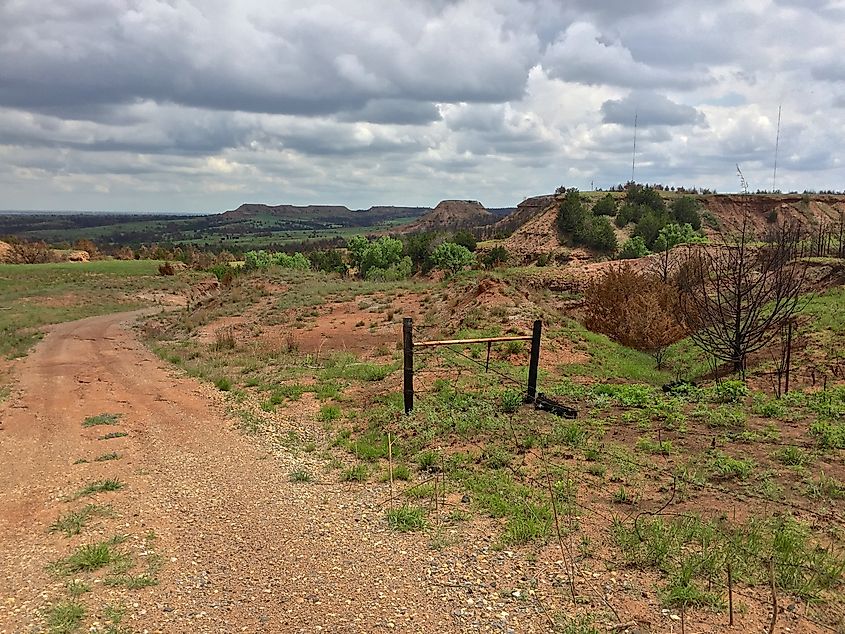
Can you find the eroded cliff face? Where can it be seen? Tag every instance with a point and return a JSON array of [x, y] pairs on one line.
[[725, 212]]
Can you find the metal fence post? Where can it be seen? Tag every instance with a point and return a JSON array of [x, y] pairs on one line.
[[408, 362], [534, 361]]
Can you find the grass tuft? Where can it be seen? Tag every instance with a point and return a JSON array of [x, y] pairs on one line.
[[100, 486], [65, 617], [406, 518], [101, 419], [73, 522]]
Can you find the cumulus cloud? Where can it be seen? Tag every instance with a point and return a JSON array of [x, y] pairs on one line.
[[184, 105], [650, 109]]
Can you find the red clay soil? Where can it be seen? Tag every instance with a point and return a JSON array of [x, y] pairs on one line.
[[244, 548]]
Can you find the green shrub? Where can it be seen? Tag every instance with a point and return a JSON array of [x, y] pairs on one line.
[[633, 248], [730, 391], [406, 518]]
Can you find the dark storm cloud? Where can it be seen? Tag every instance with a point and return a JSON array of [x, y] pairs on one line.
[[651, 109], [149, 99], [394, 111], [296, 60]]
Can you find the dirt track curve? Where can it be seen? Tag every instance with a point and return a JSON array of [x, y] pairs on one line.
[[244, 549]]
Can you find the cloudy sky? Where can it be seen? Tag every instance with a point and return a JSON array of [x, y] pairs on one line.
[[199, 105]]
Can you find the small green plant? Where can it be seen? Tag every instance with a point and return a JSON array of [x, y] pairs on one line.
[[107, 456], [406, 518], [726, 417], [401, 472], [826, 487], [86, 558], [223, 384], [73, 522], [724, 466], [427, 461], [663, 447], [100, 486], [77, 587], [510, 401], [730, 391], [622, 496], [793, 456], [596, 469], [113, 434], [829, 435], [65, 617], [329, 413], [101, 419], [300, 476], [358, 473]]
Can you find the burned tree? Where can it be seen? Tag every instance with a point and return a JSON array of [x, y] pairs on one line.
[[635, 309], [736, 297]]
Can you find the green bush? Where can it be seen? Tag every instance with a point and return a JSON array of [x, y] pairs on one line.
[[634, 248], [685, 211], [605, 206], [730, 391], [452, 258]]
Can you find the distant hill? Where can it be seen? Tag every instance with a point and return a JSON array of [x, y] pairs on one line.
[[319, 216], [451, 215]]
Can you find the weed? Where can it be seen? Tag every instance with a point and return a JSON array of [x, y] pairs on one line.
[[725, 417], [77, 587], [576, 625], [622, 496], [663, 447], [725, 466], [793, 456], [80, 461], [420, 491], [65, 617], [113, 434], [86, 559], [300, 476], [627, 395], [772, 408], [427, 461], [596, 469], [223, 384], [510, 401], [496, 457], [101, 419], [107, 456], [401, 472], [99, 486], [406, 518], [829, 435], [826, 487], [329, 413], [358, 473], [572, 434], [73, 522], [730, 391]]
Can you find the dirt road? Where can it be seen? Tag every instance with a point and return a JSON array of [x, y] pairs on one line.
[[243, 548]]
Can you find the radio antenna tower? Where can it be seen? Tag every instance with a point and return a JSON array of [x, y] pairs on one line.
[[777, 145], [742, 182], [634, 153]]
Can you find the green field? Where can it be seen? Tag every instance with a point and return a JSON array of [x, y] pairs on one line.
[[35, 295]]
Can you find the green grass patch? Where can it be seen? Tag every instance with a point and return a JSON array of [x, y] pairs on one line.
[[87, 558], [358, 473], [113, 434], [107, 456], [65, 617], [406, 518], [101, 419], [73, 522], [100, 486]]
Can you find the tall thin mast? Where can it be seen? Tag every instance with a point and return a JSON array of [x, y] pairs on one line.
[[777, 145], [634, 153]]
